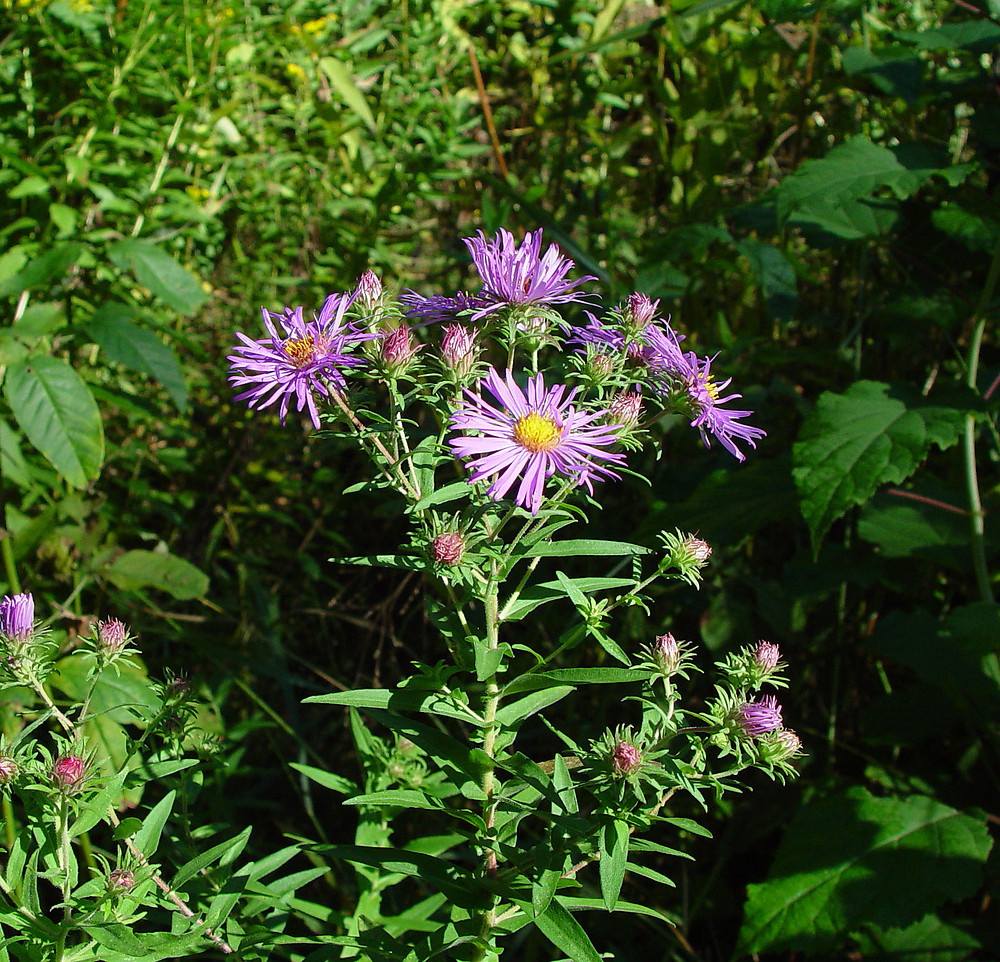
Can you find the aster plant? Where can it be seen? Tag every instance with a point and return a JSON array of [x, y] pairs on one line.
[[495, 418]]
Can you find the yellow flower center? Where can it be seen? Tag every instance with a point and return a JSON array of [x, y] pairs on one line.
[[709, 385], [300, 350], [537, 433]]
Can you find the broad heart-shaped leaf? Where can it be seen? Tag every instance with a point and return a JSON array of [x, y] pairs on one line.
[[57, 412], [157, 271], [853, 442], [855, 860], [137, 348], [157, 569]]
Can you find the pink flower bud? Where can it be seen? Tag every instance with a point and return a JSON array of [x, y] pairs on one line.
[[369, 291], [459, 349], [112, 635], [767, 656], [69, 774], [667, 652], [600, 365], [640, 309], [398, 348], [625, 759], [626, 409], [700, 550], [121, 880], [449, 548], [8, 770]]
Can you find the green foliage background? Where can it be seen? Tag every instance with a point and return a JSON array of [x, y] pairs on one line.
[[809, 188]]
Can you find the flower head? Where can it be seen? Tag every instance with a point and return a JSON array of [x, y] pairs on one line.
[[522, 275], [667, 652], [69, 773], [298, 360], [17, 617], [531, 437], [398, 350], [112, 636], [640, 309], [766, 656], [757, 718], [626, 759], [449, 548]]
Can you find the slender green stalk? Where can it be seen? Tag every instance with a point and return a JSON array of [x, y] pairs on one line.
[[977, 517]]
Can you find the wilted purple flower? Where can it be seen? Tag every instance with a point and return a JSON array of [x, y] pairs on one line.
[[640, 310], [459, 349], [626, 408], [438, 308], [531, 437], [8, 770], [299, 359], [685, 371], [120, 880], [112, 635], [17, 616], [757, 718], [522, 275], [69, 773], [766, 656], [368, 294], [449, 548], [626, 759]]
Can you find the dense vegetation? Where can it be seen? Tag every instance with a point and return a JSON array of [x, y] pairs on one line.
[[810, 189]]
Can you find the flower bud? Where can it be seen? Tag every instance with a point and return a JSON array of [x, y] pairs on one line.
[[398, 350], [640, 310], [626, 408], [17, 617], [699, 550], [69, 774], [667, 652], [626, 759], [112, 636], [459, 349], [369, 291], [449, 548], [120, 880], [599, 365], [8, 770], [766, 657], [757, 718]]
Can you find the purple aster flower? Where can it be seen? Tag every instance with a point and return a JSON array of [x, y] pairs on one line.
[[603, 337], [757, 718], [299, 359], [531, 437], [17, 616], [439, 308], [522, 275]]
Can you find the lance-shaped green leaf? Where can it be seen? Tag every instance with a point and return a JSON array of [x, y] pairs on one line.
[[614, 837], [343, 82], [157, 569], [856, 860], [851, 443], [59, 416], [432, 702], [565, 933]]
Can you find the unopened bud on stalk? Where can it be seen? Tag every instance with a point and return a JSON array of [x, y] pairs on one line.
[[626, 409], [767, 656], [120, 880], [17, 617], [112, 636], [625, 759], [369, 292], [398, 350], [459, 349], [8, 770], [69, 773], [599, 365], [640, 310], [667, 652], [699, 550], [449, 548]]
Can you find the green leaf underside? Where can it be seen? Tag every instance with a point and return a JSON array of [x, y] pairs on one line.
[[854, 860], [59, 416], [851, 443]]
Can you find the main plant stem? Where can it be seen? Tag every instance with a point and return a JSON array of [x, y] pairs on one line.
[[491, 703]]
